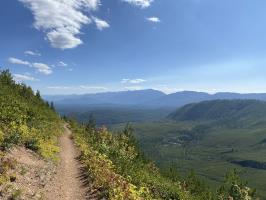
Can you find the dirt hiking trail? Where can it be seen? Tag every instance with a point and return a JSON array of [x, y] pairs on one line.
[[67, 184]]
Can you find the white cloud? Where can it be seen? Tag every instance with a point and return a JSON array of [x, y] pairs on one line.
[[32, 53], [18, 61], [139, 3], [62, 64], [63, 40], [24, 77], [153, 19], [41, 67], [125, 80], [167, 89], [137, 81], [61, 20], [133, 81], [100, 24]]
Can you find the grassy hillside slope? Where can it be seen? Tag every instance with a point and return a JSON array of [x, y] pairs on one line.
[[25, 119]]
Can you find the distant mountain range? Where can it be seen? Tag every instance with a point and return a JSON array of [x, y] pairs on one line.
[[138, 97], [147, 98]]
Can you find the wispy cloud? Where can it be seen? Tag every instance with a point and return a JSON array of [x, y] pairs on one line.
[[139, 3], [40, 67], [100, 24], [62, 64], [153, 19], [167, 89], [61, 20], [18, 61], [133, 81], [24, 77], [32, 53]]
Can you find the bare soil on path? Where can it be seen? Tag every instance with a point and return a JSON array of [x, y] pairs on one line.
[[67, 183]]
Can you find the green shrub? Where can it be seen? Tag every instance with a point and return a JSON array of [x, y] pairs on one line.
[[10, 140]]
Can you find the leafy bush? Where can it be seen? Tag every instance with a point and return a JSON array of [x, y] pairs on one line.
[[234, 188]]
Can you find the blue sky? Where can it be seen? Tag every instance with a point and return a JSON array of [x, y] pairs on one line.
[[88, 46]]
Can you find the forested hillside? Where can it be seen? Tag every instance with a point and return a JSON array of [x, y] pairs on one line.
[[107, 115], [236, 110]]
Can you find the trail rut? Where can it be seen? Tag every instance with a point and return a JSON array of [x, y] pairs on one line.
[[66, 185]]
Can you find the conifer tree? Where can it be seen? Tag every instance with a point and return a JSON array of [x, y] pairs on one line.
[[91, 125], [38, 94], [52, 106]]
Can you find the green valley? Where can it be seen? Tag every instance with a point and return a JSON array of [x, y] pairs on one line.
[[210, 138]]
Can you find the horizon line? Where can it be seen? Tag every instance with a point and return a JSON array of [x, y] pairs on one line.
[[119, 91]]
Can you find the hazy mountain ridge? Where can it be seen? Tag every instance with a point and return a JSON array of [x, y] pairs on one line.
[[148, 98], [137, 97]]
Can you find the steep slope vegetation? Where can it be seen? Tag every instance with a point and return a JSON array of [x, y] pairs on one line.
[[28, 122], [26, 119]]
